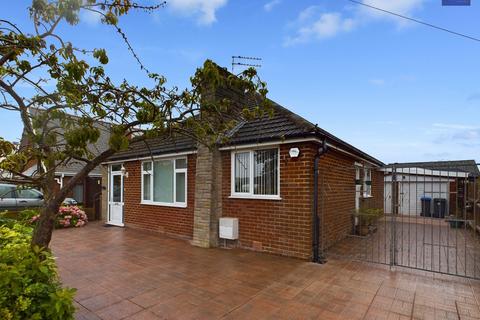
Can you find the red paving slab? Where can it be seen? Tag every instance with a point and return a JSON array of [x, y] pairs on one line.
[[132, 274]]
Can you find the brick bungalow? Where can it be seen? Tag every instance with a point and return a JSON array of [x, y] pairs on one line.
[[180, 188]]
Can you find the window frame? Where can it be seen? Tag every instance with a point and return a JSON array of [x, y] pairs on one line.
[[12, 192], [17, 194], [175, 203], [251, 194], [367, 189]]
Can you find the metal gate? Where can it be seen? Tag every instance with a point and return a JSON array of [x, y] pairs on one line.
[[423, 216]]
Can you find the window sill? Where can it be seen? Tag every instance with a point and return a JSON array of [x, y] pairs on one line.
[[367, 197], [158, 204], [254, 197]]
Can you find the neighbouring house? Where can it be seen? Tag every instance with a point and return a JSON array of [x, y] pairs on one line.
[[87, 192], [449, 188], [264, 176]]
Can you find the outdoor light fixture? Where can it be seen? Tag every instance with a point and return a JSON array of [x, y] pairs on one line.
[[294, 152], [124, 172]]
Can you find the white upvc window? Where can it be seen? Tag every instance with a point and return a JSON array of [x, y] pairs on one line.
[[256, 174], [367, 182], [164, 182]]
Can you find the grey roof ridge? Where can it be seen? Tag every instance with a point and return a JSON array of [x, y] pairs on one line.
[[235, 129]]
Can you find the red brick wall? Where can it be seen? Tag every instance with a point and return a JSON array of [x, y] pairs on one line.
[[336, 194], [170, 220], [277, 226], [336, 201], [378, 188]]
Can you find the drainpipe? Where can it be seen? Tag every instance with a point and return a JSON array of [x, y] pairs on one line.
[[315, 217]]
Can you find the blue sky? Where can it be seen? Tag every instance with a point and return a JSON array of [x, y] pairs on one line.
[[397, 90]]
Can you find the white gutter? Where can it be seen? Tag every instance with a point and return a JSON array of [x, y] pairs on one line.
[[271, 143], [168, 155], [68, 174], [245, 146], [275, 143]]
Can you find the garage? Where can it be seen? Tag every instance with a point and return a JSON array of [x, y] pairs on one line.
[[413, 187], [435, 187]]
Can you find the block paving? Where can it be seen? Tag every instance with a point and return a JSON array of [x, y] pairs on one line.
[[123, 273]]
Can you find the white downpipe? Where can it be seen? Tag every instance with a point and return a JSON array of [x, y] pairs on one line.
[[60, 180]]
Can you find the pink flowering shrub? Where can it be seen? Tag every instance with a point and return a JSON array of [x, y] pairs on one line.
[[71, 216], [68, 217]]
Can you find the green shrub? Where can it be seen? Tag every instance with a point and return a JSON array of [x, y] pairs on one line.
[[26, 216], [29, 284], [10, 218], [6, 219], [369, 216]]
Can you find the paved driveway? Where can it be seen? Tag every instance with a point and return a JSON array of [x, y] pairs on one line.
[[131, 274], [423, 243]]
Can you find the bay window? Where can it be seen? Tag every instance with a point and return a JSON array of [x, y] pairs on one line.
[[256, 173], [164, 182]]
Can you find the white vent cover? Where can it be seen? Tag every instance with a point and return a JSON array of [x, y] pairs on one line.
[[228, 228]]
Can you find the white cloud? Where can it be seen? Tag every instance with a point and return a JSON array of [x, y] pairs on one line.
[[315, 26], [404, 7], [473, 97], [313, 23], [454, 126], [308, 13], [205, 10], [456, 134], [270, 5], [377, 82], [90, 17]]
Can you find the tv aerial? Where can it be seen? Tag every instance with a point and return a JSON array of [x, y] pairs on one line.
[[245, 62]]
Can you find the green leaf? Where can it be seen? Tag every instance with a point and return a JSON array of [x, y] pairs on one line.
[[100, 55]]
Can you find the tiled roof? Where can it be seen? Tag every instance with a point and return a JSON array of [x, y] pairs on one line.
[[154, 147], [283, 125], [96, 148]]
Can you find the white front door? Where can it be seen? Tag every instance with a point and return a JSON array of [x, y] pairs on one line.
[[115, 198]]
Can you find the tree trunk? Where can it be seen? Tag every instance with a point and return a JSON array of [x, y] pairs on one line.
[[53, 199], [45, 224]]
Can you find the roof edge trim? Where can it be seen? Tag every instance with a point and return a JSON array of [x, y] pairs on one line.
[[158, 156], [296, 140]]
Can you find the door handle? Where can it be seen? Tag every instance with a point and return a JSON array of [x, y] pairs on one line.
[[23, 201]]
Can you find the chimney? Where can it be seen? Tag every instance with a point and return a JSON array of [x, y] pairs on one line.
[[208, 197], [208, 185]]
